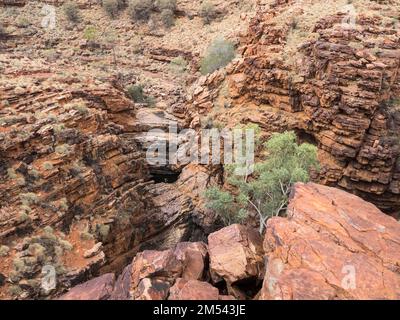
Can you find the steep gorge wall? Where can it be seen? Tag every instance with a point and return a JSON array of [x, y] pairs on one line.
[[305, 68]]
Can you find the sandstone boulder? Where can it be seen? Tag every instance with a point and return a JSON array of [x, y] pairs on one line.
[[99, 288], [192, 290], [332, 245], [192, 255], [235, 254]]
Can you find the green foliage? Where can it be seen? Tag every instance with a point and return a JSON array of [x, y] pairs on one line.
[[178, 65], [4, 250], [102, 232], [136, 94], [14, 290], [111, 7], [166, 5], [11, 173], [168, 18], [90, 33], [3, 31], [208, 12], [71, 11], [267, 190], [47, 166], [29, 198], [218, 55], [140, 9]]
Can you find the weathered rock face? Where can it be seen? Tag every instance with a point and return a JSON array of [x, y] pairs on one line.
[[235, 254], [332, 245], [336, 84], [193, 290], [69, 160], [96, 289]]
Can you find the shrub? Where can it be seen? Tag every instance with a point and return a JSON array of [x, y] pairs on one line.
[[86, 236], [168, 18], [47, 166], [3, 31], [140, 9], [65, 245], [266, 192], [178, 65], [29, 198], [11, 173], [63, 149], [90, 34], [111, 7], [218, 55], [166, 5], [14, 290], [71, 11], [102, 232], [22, 217], [136, 93], [4, 250], [208, 12]]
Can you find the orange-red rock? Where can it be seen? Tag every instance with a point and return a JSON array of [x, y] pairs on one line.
[[332, 245], [99, 288], [192, 290], [235, 254]]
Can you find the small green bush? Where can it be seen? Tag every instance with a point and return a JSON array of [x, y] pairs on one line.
[[4, 250], [136, 93], [29, 198], [218, 55], [111, 7], [208, 12], [168, 18], [3, 31], [166, 5], [178, 65], [14, 290], [266, 192], [11, 173], [71, 11], [47, 166], [140, 9]]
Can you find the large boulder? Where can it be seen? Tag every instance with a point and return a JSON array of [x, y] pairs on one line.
[[235, 254], [332, 245], [193, 290], [99, 288]]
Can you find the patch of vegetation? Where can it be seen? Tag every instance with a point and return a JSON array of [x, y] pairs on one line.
[[140, 9], [218, 55], [102, 231], [29, 198], [3, 31], [166, 5], [63, 149], [136, 94], [4, 250], [38, 251], [178, 65], [11, 174], [47, 166], [111, 7], [71, 11], [208, 12], [265, 192], [168, 18]]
